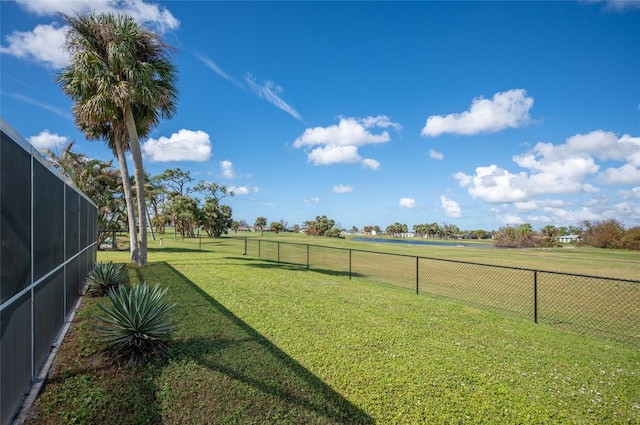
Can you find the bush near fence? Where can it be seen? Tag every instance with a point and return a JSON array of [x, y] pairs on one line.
[[594, 305]]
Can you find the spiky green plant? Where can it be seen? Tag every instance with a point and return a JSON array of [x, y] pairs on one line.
[[105, 276], [139, 323]]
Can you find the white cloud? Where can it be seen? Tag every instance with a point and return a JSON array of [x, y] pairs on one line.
[[509, 109], [185, 145], [407, 203], [450, 207], [341, 188], [268, 91], [532, 205], [510, 219], [494, 185], [370, 163], [314, 200], [627, 174], [569, 168], [348, 132], [576, 216], [629, 210], [338, 144], [333, 154], [47, 140], [554, 169], [149, 14], [436, 155], [243, 190], [617, 5], [603, 145], [43, 44], [51, 7], [227, 169], [631, 195], [213, 66], [271, 93]]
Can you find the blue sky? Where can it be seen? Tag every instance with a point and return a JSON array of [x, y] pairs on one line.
[[479, 114]]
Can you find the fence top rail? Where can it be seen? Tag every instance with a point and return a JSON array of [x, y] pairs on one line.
[[455, 261]]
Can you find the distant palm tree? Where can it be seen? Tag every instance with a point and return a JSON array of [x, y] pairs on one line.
[[118, 70], [96, 179]]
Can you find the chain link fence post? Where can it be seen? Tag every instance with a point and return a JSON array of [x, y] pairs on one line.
[[535, 296], [417, 275]]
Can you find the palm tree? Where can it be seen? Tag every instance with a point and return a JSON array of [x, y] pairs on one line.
[[96, 179], [115, 135], [260, 223], [118, 70]]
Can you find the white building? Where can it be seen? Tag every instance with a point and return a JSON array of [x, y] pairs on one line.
[[568, 238]]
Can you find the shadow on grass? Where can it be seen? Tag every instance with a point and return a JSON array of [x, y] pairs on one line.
[[245, 378], [262, 263], [173, 249]]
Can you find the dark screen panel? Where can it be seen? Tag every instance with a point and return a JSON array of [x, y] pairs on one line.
[[83, 270], [72, 222], [15, 224], [48, 314], [93, 224], [83, 218], [48, 220], [71, 284], [15, 355]]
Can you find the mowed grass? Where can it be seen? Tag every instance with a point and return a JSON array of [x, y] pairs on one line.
[[260, 342], [621, 264], [543, 291]]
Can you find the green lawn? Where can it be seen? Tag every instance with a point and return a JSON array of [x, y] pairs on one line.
[[260, 342]]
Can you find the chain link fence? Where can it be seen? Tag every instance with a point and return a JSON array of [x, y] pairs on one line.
[[593, 305]]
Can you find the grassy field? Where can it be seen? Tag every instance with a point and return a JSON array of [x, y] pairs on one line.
[[582, 303], [621, 264], [259, 342]]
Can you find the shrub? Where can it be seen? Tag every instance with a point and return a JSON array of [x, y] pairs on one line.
[[105, 276], [139, 323]]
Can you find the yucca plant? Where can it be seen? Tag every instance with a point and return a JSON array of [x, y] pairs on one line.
[[139, 323], [105, 276]]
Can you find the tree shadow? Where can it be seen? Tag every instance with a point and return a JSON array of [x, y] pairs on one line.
[[261, 263], [172, 249], [251, 379]]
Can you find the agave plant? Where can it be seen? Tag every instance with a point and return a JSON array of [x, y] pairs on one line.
[[105, 276], [139, 323]]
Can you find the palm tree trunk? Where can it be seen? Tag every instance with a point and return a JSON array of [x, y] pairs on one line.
[[138, 172], [128, 196]]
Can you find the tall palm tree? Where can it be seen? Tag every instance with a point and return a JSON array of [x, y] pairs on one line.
[[115, 135], [118, 67]]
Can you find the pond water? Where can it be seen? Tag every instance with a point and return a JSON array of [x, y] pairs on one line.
[[422, 242]]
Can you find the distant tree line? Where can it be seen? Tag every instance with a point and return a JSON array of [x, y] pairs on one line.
[[610, 234], [172, 198], [600, 234]]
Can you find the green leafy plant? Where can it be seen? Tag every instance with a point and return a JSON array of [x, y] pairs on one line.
[[139, 323], [105, 276]]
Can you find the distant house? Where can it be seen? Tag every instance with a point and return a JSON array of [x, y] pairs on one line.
[[568, 238]]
